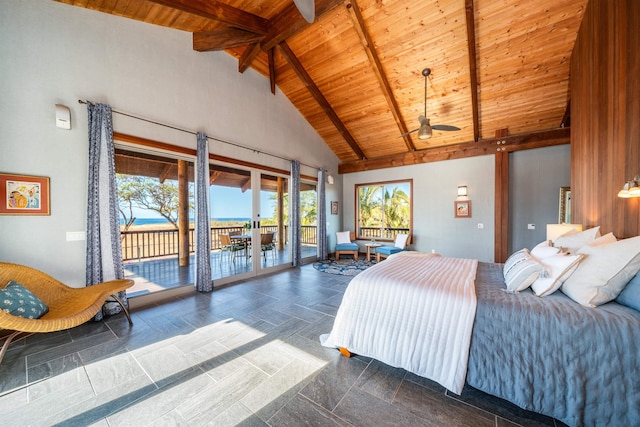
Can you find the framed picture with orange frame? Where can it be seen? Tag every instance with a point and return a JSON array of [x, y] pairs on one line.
[[24, 195]]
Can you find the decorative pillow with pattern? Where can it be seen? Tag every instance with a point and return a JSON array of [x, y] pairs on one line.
[[17, 300], [521, 270]]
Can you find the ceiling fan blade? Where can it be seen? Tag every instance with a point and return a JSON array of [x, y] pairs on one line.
[[445, 127], [407, 133]]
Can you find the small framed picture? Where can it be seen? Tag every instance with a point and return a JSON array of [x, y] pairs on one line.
[[334, 208], [462, 208], [24, 195]]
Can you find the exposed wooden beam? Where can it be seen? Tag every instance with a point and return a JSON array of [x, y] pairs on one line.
[[566, 119], [224, 38], [473, 68], [150, 143], [320, 99], [165, 172], [272, 71], [369, 48], [501, 210], [458, 151], [246, 184], [213, 176], [220, 12], [183, 213], [248, 56], [290, 22]]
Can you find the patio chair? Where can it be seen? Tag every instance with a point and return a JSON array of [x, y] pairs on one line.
[[267, 244], [64, 307], [232, 248], [345, 244], [401, 243]]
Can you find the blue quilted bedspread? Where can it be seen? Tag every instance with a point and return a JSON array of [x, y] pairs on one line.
[[553, 356]]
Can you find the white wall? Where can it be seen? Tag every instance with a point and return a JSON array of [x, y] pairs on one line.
[[435, 187], [53, 53]]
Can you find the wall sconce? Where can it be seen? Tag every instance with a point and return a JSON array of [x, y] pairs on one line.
[[330, 180], [630, 188], [462, 190]]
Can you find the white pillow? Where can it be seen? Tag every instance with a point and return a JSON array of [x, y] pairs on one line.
[[558, 269], [401, 240], [543, 250], [520, 270], [604, 240], [604, 272], [343, 237], [572, 241]]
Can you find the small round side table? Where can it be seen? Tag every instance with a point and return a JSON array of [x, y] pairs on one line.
[[371, 249]]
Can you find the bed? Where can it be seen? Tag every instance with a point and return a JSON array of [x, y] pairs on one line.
[[546, 354]]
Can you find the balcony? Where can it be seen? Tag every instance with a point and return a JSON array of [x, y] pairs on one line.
[[151, 257]]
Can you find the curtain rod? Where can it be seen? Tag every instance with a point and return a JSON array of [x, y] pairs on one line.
[[82, 101]]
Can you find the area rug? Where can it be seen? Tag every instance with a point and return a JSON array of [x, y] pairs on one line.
[[345, 267]]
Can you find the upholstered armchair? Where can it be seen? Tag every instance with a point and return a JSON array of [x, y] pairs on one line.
[[402, 243], [345, 244]]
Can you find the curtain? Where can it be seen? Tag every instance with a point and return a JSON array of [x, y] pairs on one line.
[[322, 216], [104, 253], [296, 249], [203, 281]]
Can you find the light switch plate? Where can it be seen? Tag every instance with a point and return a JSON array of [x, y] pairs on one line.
[[75, 236]]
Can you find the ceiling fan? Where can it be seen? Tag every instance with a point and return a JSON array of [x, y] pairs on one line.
[[426, 130]]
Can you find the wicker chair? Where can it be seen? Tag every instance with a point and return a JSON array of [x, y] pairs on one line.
[[68, 307]]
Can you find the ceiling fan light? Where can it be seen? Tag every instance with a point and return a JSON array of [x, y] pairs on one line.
[[424, 132], [307, 9]]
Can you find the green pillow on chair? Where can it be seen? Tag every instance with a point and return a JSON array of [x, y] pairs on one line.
[[17, 300]]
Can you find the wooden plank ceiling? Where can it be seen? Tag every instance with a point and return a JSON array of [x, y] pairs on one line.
[[355, 73]]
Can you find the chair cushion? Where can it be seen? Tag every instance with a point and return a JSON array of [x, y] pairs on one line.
[[17, 300], [388, 250], [347, 247], [401, 241], [343, 237]]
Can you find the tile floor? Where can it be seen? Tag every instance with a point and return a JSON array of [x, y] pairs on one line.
[[247, 354]]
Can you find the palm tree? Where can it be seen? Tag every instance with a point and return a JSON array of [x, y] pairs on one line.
[[370, 206], [396, 209]]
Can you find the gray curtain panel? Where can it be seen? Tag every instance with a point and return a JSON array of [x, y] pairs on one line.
[[322, 216], [203, 281], [104, 253], [294, 201]]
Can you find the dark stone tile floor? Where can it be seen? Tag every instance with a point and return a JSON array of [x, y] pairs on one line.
[[247, 354]]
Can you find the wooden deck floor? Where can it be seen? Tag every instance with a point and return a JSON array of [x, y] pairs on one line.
[[164, 273]]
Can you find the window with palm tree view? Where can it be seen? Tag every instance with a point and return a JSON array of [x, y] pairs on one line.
[[384, 209]]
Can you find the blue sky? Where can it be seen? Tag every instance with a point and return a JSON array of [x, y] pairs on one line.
[[227, 202]]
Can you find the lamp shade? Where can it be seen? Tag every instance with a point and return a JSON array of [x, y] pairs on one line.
[[556, 230]]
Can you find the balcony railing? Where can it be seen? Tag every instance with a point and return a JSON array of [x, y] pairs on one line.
[[145, 244], [380, 233]]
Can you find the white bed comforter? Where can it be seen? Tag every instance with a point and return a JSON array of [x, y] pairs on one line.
[[413, 311]]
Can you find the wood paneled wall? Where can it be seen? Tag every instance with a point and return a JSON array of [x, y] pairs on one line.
[[605, 116]]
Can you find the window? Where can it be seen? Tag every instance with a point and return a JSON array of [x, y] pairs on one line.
[[384, 209]]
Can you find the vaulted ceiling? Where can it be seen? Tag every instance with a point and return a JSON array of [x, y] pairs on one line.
[[498, 67]]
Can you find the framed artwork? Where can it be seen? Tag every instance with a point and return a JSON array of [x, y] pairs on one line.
[[462, 208], [564, 211], [334, 208], [24, 195]]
